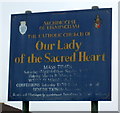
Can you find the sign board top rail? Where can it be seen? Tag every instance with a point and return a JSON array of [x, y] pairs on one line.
[[63, 12]]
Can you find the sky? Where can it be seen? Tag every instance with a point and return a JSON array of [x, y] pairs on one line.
[[12, 7]]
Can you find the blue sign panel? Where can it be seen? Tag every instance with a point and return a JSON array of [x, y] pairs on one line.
[[61, 56]]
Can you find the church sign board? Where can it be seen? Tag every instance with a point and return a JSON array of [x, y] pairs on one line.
[[61, 56]]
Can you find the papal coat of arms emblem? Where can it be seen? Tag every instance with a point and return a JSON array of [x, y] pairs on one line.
[[97, 22], [23, 27]]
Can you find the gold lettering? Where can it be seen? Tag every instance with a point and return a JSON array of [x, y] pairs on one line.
[[84, 57], [59, 45], [20, 59], [87, 33], [72, 45], [103, 57], [50, 58], [33, 59], [47, 57], [42, 46]]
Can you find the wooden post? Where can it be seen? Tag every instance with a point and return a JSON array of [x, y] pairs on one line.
[[94, 104], [94, 107], [25, 106]]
